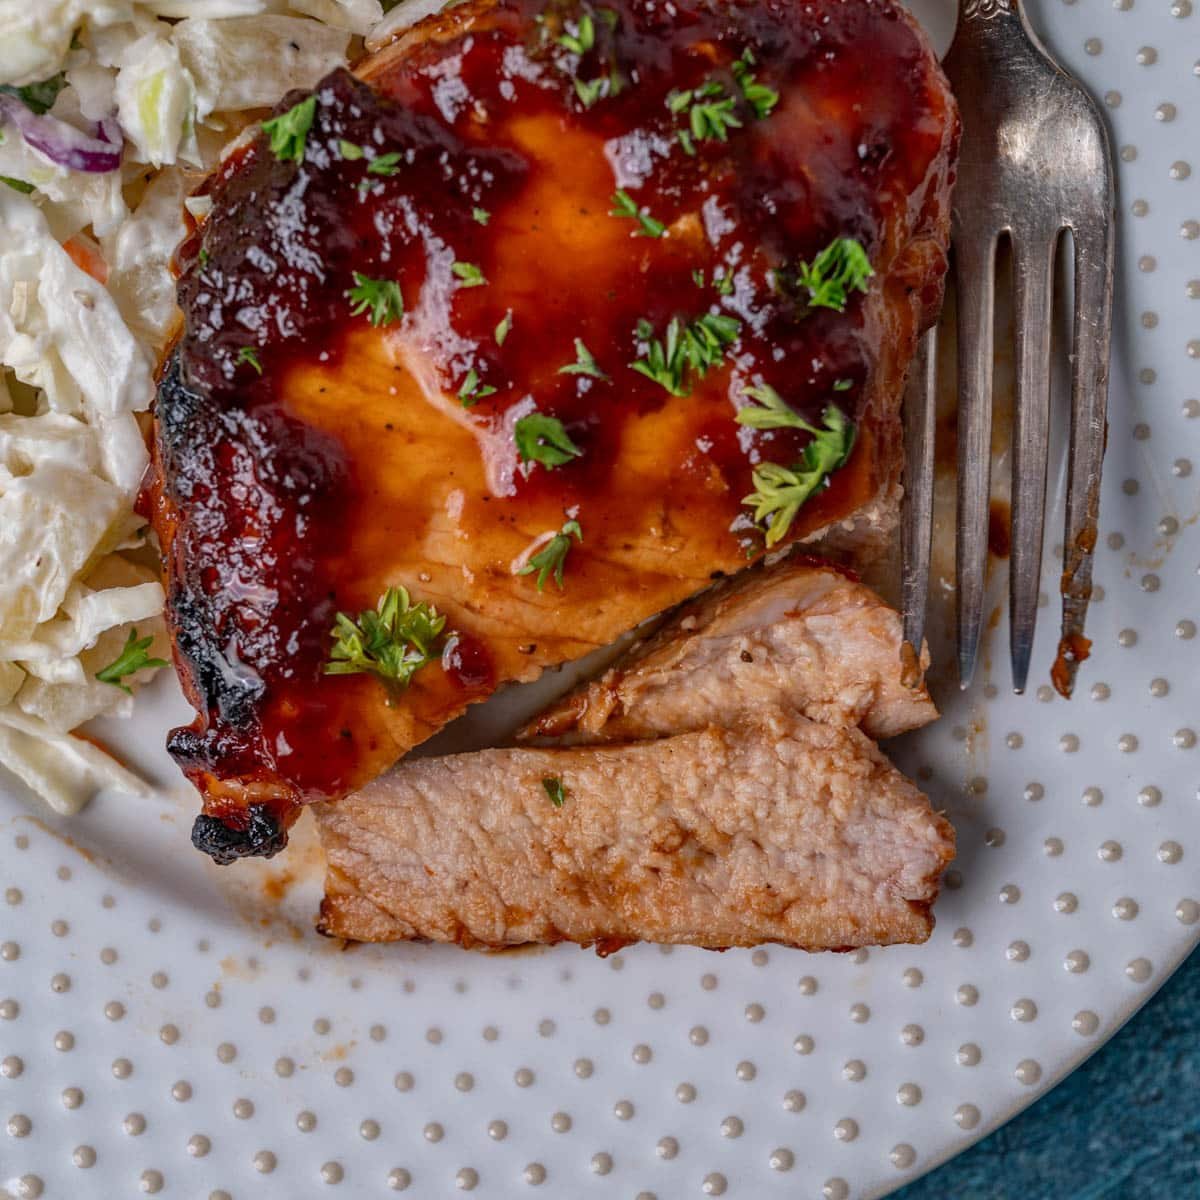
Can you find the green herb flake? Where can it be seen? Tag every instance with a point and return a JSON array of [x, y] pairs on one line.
[[678, 101], [550, 560], [472, 391], [468, 274], [38, 97], [385, 164], [760, 97], [780, 491], [584, 363], [771, 412], [350, 151], [393, 641], [725, 284], [288, 132], [698, 277], [584, 37], [842, 267], [247, 356], [589, 90], [133, 658], [543, 439], [695, 347], [556, 791], [481, 215], [203, 256], [504, 328], [17, 185], [381, 299], [623, 205], [710, 114], [843, 385]]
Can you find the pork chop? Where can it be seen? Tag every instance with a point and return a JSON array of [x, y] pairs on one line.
[[782, 830], [484, 322], [799, 634]]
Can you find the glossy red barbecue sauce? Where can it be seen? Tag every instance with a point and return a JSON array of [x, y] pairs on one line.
[[262, 511]]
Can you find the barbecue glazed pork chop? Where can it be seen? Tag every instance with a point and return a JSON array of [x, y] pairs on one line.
[[550, 316], [781, 830], [799, 634]]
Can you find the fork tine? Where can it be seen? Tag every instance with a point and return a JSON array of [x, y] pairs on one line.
[[1089, 404], [916, 520], [1033, 271], [974, 274]]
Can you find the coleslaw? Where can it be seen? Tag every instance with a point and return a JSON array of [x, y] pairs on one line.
[[110, 110]]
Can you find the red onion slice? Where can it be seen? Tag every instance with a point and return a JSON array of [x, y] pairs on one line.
[[64, 144]]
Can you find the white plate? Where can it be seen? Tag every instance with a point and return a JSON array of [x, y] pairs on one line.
[[169, 1028]]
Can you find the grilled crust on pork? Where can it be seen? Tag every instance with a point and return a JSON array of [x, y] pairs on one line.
[[781, 830], [315, 447], [798, 634]]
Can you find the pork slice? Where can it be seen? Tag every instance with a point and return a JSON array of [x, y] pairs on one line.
[[781, 830], [799, 634]]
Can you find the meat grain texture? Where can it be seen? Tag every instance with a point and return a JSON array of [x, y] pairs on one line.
[[800, 634], [779, 830]]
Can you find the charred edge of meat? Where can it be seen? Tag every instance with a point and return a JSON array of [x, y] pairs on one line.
[[261, 837], [231, 692]]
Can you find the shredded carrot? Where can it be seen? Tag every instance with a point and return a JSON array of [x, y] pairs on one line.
[[86, 255], [92, 740]]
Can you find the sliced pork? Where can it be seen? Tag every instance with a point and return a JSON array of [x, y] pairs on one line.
[[800, 634], [780, 830]]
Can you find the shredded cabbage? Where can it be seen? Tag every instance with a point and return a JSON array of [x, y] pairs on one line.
[[87, 308]]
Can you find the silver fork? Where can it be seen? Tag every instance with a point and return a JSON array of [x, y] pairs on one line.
[[1035, 162]]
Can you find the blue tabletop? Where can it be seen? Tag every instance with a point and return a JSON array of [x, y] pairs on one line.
[[1125, 1126]]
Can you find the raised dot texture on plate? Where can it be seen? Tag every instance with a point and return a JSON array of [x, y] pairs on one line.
[[1091, 932]]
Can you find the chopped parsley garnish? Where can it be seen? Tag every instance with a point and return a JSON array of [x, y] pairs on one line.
[[133, 658], [556, 791], [843, 385], [580, 41], [385, 164], [625, 206], [481, 215], [17, 185], [247, 356], [543, 439], [840, 268], [697, 346], [472, 391], [723, 283], [289, 131], [203, 256], [551, 558], [393, 641], [584, 37], [380, 298], [38, 97], [468, 274], [504, 328], [584, 363], [381, 164], [780, 491], [590, 90], [771, 412], [710, 114], [760, 97]]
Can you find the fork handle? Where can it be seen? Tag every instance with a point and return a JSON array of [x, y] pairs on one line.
[[988, 10]]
